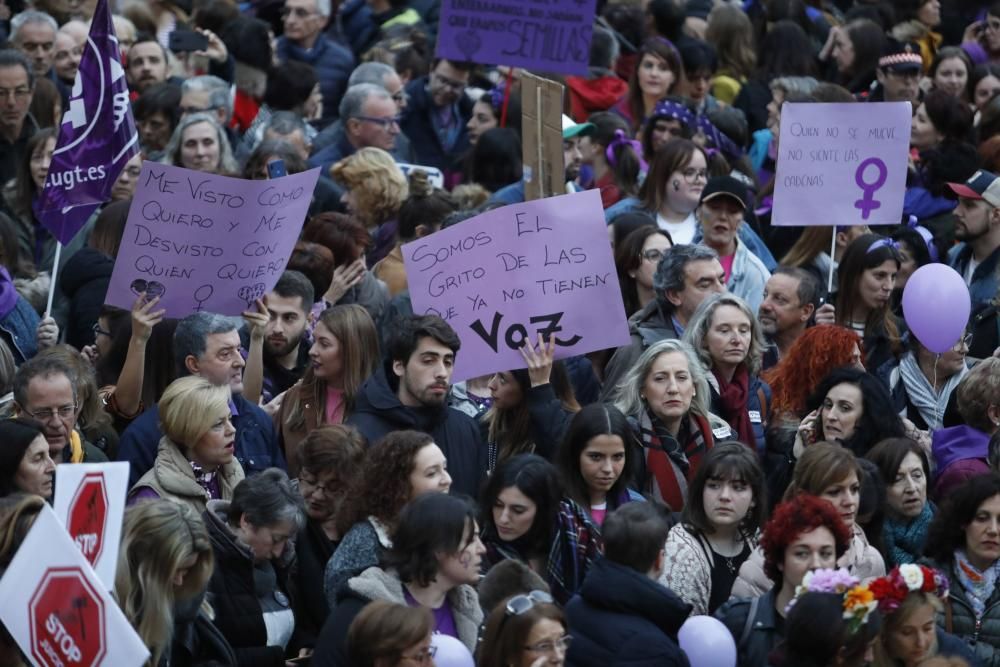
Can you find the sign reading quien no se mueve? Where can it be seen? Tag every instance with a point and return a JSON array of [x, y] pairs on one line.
[[507, 275], [842, 164]]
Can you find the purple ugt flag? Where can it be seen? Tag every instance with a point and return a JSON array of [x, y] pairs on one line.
[[97, 136]]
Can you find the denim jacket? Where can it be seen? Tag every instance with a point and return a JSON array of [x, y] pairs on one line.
[[984, 285], [21, 326]]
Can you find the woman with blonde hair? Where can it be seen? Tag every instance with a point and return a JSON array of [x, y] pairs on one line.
[[666, 395], [376, 189], [343, 355], [200, 143], [164, 565], [195, 460]]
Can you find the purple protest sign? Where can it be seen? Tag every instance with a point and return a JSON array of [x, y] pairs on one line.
[[96, 138], [207, 242], [507, 275], [546, 35], [842, 164]]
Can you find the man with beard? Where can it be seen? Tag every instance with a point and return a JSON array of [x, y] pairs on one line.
[[208, 345], [146, 64], [977, 227], [410, 392], [285, 357], [789, 302]]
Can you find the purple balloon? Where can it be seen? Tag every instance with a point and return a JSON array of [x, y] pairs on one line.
[[936, 306], [450, 652], [707, 642]]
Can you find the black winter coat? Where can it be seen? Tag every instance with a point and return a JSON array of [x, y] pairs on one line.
[[377, 411], [238, 613], [84, 279], [622, 617], [312, 551]]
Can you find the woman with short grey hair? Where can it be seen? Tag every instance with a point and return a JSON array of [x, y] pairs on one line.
[[728, 340], [666, 395], [251, 536]]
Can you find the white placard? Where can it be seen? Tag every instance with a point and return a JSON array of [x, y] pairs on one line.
[[56, 608], [90, 503], [434, 175]]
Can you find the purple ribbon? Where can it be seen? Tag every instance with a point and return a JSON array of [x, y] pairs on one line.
[[883, 242], [926, 236], [621, 141]]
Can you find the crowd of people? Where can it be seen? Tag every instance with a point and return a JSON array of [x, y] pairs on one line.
[[772, 447]]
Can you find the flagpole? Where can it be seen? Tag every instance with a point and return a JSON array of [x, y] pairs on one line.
[[52, 283]]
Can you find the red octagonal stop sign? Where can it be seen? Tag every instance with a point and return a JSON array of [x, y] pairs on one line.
[[66, 620], [88, 516]]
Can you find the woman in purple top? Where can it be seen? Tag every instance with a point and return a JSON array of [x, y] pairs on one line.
[[433, 563], [194, 462]]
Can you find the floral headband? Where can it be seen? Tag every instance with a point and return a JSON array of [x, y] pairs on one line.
[[892, 589], [859, 601]]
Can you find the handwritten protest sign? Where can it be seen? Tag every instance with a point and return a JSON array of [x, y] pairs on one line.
[[434, 175], [90, 502], [842, 164], [547, 35], [206, 242], [509, 274], [56, 608]]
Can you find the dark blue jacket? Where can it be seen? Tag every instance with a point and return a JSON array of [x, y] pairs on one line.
[[361, 30], [759, 414], [331, 146], [622, 617], [418, 125], [333, 64], [377, 411], [256, 440], [20, 327]]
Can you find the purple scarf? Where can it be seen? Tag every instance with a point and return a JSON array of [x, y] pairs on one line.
[[8, 295]]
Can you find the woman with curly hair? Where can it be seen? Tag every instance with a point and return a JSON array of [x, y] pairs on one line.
[[343, 355], [964, 544], [810, 359], [350, 280], [376, 188], [803, 535], [658, 74], [831, 473], [400, 467]]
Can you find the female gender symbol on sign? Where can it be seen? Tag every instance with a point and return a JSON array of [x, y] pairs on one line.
[[868, 203]]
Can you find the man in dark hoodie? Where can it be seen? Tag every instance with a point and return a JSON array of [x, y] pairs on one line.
[[622, 614], [410, 391], [599, 90]]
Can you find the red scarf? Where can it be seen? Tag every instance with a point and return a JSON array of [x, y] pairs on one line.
[[671, 464], [733, 397]]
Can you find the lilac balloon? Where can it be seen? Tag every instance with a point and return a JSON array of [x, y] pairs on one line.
[[936, 306], [450, 652], [707, 642]]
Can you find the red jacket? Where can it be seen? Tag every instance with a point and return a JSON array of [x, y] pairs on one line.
[[589, 95]]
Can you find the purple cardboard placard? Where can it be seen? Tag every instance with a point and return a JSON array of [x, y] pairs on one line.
[[842, 164], [541, 266], [207, 242], [544, 35]]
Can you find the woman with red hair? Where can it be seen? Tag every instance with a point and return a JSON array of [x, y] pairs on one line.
[[803, 535]]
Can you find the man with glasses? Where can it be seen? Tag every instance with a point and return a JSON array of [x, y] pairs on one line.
[[622, 614], [17, 85], [437, 113], [368, 118], [212, 95], [45, 390], [720, 214], [898, 73], [304, 41]]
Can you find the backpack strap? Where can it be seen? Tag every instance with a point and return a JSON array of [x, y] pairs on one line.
[[748, 626], [762, 397]]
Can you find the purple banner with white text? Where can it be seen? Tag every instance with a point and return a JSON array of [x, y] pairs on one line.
[[510, 274]]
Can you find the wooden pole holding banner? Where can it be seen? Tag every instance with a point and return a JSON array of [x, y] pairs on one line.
[[52, 283], [541, 125]]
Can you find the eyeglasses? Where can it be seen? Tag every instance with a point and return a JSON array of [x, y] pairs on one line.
[[422, 658], [449, 83], [652, 255], [187, 110], [382, 122], [19, 94], [520, 604], [965, 341], [98, 331], [551, 646], [692, 175], [297, 12], [46, 414], [310, 486]]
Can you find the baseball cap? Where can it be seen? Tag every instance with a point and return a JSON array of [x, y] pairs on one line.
[[571, 129], [901, 57], [981, 185], [725, 186]]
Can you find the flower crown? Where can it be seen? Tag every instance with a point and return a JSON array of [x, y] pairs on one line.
[[892, 589], [859, 601]]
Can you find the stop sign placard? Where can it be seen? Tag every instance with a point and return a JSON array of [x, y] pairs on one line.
[[88, 516], [67, 620]]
